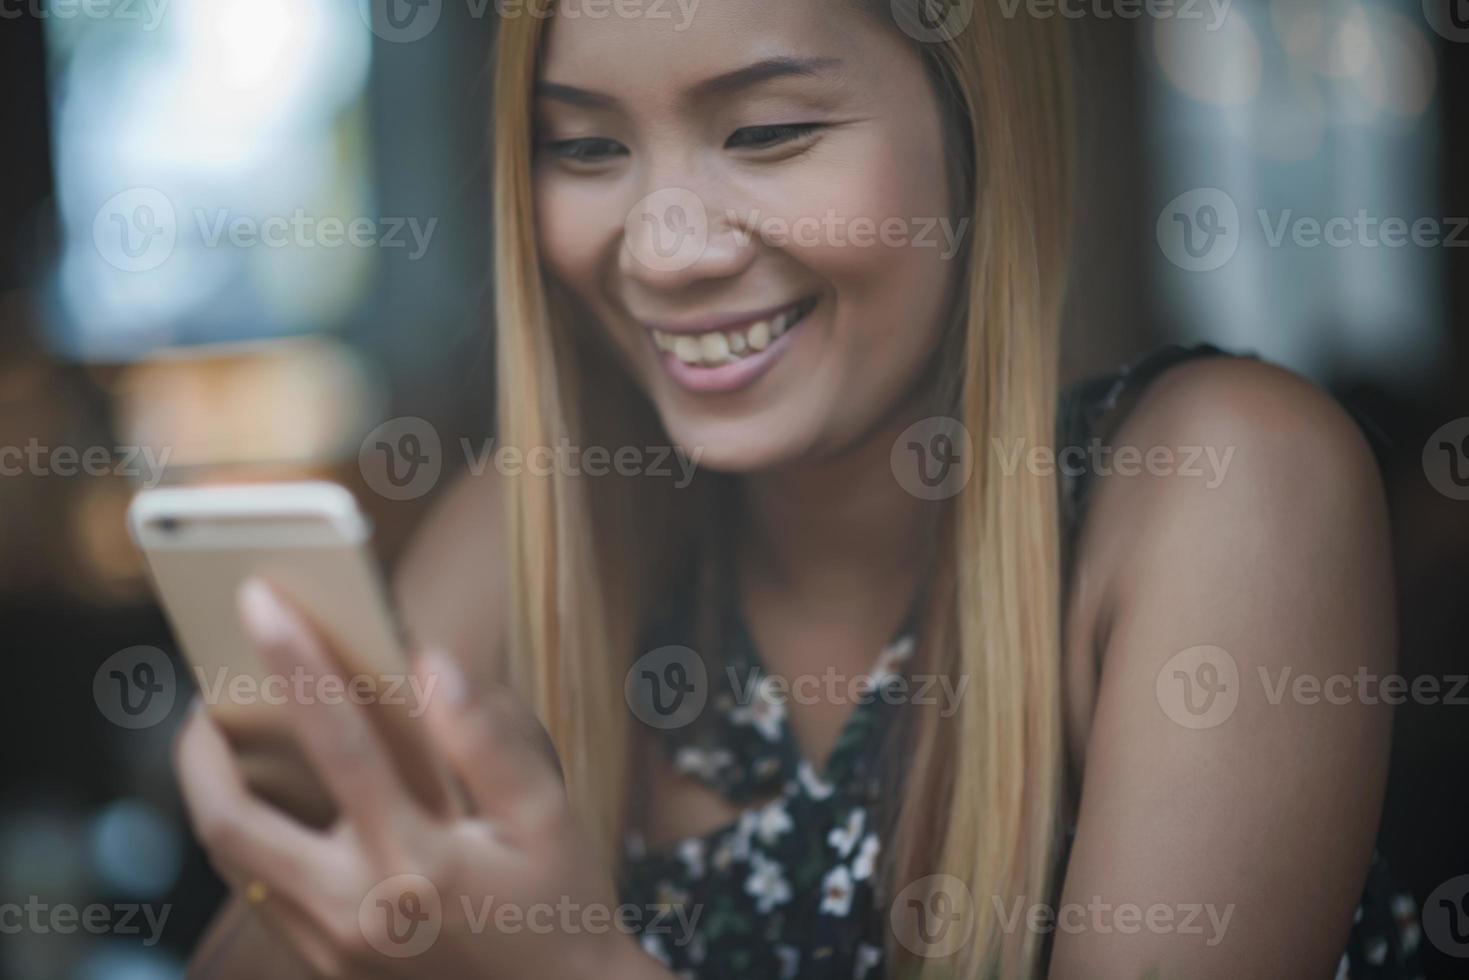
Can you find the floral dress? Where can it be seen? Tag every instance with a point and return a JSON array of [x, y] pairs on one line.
[[792, 888]]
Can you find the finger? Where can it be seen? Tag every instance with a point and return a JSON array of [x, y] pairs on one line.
[[497, 748], [273, 935], [335, 732], [241, 833]]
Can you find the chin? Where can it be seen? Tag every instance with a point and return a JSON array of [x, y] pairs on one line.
[[736, 447]]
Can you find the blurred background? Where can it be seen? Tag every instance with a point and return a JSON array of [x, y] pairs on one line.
[[239, 236]]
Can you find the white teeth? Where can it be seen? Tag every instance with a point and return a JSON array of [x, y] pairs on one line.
[[687, 349], [714, 348], [759, 335]]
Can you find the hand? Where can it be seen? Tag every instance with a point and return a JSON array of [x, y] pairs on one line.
[[390, 888]]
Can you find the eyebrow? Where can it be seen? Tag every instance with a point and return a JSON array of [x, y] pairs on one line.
[[762, 71]]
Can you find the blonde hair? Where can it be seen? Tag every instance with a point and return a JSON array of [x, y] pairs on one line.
[[982, 796]]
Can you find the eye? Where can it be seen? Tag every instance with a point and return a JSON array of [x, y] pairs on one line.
[[586, 150], [764, 137]]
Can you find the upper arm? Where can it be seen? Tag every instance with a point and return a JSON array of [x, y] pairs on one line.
[[1261, 804], [450, 584]]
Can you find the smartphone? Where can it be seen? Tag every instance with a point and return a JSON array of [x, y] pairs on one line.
[[310, 542]]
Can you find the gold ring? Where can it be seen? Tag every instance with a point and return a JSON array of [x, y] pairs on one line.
[[255, 892]]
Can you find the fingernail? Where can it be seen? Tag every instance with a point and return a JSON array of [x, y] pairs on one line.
[[264, 616], [453, 688]]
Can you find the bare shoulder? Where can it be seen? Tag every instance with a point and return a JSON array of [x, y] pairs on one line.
[[1224, 612], [1242, 464], [450, 583], [1276, 421]]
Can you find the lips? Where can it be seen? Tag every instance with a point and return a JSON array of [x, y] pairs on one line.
[[731, 341], [722, 355]]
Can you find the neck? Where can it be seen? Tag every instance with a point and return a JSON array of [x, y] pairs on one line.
[[839, 528]]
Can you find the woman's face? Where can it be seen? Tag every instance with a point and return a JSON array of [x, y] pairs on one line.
[[752, 203]]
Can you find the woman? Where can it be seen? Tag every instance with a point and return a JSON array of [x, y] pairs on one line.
[[681, 258]]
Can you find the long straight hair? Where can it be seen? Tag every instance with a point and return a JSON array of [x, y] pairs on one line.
[[982, 788]]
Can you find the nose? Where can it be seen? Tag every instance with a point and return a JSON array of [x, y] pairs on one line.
[[676, 237]]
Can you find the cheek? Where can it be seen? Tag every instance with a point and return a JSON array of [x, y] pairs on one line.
[[882, 236], [574, 230]]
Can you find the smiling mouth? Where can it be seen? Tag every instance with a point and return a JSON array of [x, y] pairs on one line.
[[714, 348]]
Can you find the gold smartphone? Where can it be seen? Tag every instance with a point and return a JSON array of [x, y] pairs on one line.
[[309, 541]]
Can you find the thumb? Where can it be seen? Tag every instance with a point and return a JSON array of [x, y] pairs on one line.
[[493, 742]]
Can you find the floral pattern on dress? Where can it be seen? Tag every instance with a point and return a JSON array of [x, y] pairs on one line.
[[790, 888]]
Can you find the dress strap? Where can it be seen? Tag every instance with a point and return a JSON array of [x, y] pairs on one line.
[[1094, 409]]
